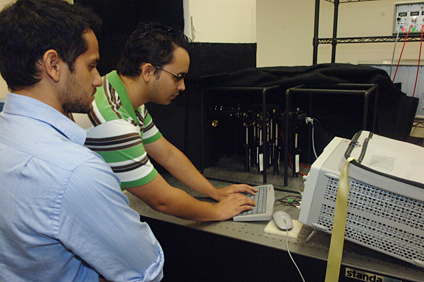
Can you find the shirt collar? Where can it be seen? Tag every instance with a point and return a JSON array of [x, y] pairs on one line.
[[32, 108], [116, 82]]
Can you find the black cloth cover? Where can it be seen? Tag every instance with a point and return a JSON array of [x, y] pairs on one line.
[[395, 110]]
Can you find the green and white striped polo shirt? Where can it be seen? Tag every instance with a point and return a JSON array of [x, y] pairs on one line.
[[117, 132]]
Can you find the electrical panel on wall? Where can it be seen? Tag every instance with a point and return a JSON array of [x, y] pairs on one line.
[[409, 16]]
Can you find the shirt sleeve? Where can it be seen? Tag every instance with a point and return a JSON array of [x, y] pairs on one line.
[[120, 144], [150, 132], [96, 224]]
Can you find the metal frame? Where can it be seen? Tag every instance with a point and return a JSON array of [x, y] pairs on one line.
[[262, 90], [334, 40], [364, 90]]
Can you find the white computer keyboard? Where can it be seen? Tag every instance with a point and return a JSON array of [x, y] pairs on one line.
[[264, 205]]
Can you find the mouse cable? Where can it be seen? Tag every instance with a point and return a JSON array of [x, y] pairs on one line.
[[292, 259]]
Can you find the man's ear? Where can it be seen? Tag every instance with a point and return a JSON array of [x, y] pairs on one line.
[[147, 71], [51, 62]]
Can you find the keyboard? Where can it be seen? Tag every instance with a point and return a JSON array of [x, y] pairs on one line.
[[264, 199]]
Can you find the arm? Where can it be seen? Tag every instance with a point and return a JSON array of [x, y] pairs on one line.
[[97, 225], [173, 160], [162, 197], [157, 192]]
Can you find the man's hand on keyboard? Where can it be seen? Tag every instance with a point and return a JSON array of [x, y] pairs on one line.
[[233, 204], [263, 210], [235, 188]]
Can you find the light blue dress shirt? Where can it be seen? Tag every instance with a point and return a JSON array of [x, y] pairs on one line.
[[63, 216]]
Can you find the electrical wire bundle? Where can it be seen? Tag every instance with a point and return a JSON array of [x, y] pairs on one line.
[[291, 200], [400, 56]]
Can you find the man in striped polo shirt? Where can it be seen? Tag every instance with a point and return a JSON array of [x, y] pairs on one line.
[[152, 69]]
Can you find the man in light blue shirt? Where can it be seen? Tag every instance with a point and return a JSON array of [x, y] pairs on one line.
[[63, 216]]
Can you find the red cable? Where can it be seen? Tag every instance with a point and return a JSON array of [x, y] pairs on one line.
[[419, 58], [289, 156], [281, 133], [401, 53], [304, 165]]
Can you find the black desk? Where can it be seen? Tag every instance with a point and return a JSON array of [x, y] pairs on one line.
[[238, 251]]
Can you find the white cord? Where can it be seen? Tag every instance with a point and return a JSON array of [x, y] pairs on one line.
[[393, 56], [313, 141], [288, 250], [310, 120]]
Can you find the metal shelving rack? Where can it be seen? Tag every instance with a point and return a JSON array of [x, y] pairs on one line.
[[335, 40]]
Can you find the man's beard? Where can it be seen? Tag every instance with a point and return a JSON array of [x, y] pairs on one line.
[[75, 107], [72, 98]]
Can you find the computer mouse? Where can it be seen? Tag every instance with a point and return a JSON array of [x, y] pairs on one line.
[[282, 220]]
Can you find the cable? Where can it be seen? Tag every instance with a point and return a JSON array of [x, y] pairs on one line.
[[419, 58], [401, 52], [393, 56], [292, 259], [305, 165], [313, 141], [290, 156], [418, 123], [291, 200], [311, 121]]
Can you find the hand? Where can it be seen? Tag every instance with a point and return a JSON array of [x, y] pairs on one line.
[[233, 204], [235, 188]]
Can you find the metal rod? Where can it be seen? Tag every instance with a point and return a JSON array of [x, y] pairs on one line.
[[335, 21], [264, 136], [286, 137], [202, 131], [316, 30]]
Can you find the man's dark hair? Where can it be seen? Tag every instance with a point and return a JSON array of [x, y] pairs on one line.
[[28, 28], [150, 43]]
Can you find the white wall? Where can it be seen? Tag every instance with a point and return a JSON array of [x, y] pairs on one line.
[[223, 21], [285, 32]]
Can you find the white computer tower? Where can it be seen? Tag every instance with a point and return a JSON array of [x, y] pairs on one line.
[[386, 194]]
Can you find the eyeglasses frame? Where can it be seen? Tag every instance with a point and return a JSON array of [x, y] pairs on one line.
[[178, 77]]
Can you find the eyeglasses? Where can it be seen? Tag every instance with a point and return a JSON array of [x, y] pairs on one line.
[[178, 77]]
